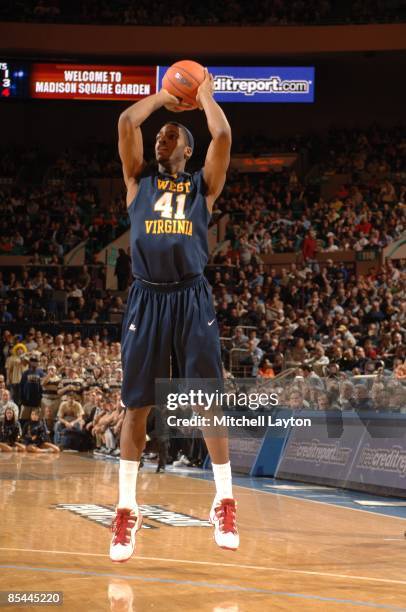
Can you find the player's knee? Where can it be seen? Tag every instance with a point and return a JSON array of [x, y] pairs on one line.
[[137, 416]]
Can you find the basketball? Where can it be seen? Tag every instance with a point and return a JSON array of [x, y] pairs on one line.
[[182, 80]]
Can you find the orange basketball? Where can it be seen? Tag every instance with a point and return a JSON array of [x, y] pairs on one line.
[[182, 80]]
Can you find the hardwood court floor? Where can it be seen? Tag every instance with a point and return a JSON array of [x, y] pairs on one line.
[[294, 555]]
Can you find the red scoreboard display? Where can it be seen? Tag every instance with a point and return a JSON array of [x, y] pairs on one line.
[[90, 82], [76, 81]]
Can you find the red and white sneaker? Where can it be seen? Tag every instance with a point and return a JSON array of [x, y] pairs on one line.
[[124, 527], [223, 517]]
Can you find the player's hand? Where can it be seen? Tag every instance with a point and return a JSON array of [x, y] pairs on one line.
[[167, 98], [172, 103], [206, 88]]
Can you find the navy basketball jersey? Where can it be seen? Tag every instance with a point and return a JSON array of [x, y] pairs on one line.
[[169, 220]]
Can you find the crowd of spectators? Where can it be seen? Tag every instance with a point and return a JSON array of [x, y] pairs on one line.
[[62, 208], [319, 319], [62, 392], [210, 13], [274, 213], [68, 385], [338, 393], [364, 153], [278, 213], [318, 315], [129, 12], [69, 295]]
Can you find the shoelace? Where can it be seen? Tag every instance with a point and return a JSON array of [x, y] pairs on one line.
[[226, 515], [120, 526]]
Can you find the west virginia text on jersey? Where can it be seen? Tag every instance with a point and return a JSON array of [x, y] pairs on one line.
[[169, 220], [170, 185], [169, 227]]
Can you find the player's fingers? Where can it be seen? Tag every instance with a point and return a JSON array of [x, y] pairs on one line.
[[171, 98], [174, 99], [173, 108]]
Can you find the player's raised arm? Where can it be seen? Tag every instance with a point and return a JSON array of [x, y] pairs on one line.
[[130, 145], [218, 154]]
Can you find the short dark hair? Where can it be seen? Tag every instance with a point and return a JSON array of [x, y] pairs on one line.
[[187, 133]]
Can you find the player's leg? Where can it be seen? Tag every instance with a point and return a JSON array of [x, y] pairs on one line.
[[132, 444], [128, 519], [198, 354], [223, 510], [144, 358]]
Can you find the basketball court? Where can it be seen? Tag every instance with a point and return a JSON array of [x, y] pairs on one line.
[[302, 547]]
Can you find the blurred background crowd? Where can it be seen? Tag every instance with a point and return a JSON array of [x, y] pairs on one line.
[[324, 335], [237, 12]]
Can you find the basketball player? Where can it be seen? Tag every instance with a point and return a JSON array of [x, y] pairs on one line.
[[169, 308]]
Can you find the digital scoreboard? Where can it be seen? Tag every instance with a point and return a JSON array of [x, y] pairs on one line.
[[13, 80]]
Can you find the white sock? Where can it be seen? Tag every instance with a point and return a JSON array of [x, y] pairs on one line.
[[222, 478], [127, 484]]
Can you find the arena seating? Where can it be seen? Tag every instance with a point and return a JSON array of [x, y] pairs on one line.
[[316, 316]]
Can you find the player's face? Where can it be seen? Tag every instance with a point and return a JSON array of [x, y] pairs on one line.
[[170, 144]]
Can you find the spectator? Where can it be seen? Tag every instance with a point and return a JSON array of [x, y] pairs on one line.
[[266, 369], [36, 436], [253, 358], [6, 402], [71, 383], [10, 431], [30, 388], [296, 401], [239, 340], [320, 360], [50, 384], [309, 245], [16, 364], [361, 400], [49, 420], [69, 421], [123, 270]]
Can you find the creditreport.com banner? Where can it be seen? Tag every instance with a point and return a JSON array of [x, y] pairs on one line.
[[259, 83], [365, 452]]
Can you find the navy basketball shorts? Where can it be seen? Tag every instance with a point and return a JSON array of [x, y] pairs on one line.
[[163, 323]]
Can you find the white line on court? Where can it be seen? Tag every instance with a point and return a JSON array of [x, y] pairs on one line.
[[314, 501], [394, 539], [269, 491], [213, 563]]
